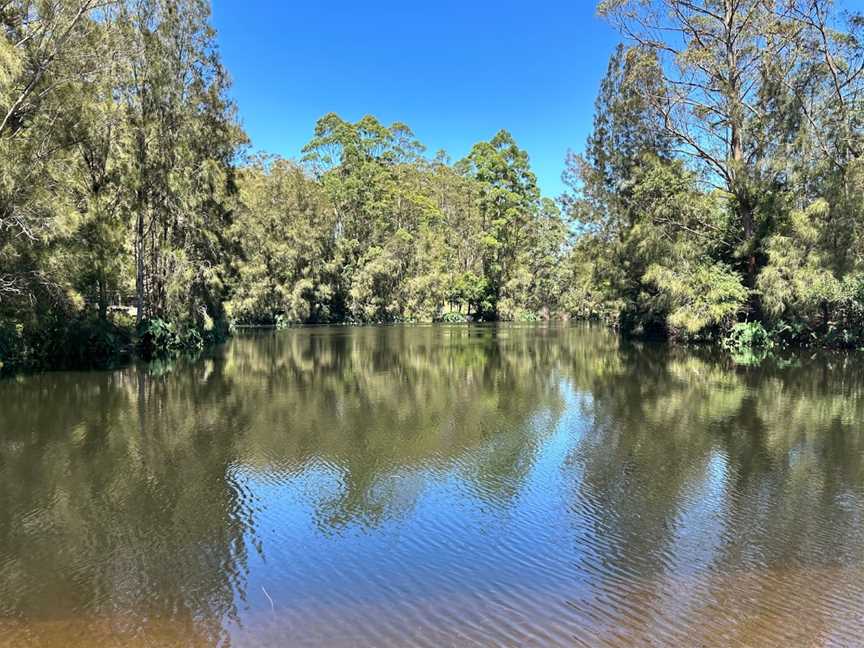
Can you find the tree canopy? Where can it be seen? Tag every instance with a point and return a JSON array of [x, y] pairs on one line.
[[722, 182]]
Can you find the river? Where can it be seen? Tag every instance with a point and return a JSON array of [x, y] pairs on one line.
[[435, 486]]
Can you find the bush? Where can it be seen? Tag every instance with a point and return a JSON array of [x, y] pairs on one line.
[[12, 343], [702, 298], [93, 342], [749, 343], [525, 316], [65, 341], [454, 318], [157, 337]]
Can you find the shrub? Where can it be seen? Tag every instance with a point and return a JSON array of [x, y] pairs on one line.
[[12, 346], [749, 343], [700, 298], [157, 337], [90, 341], [454, 318]]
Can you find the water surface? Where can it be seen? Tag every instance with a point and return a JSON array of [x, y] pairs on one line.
[[435, 486]]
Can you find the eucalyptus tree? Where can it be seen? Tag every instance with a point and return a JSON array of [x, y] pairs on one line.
[[508, 202], [545, 262], [762, 98], [363, 168]]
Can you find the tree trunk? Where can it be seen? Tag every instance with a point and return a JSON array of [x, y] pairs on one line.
[[736, 145], [139, 263], [103, 301]]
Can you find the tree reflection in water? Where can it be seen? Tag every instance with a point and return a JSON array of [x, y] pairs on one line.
[[419, 484]]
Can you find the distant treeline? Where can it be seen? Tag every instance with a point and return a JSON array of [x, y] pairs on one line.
[[719, 197]]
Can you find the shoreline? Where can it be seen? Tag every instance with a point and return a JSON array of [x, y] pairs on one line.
[[131, 354]]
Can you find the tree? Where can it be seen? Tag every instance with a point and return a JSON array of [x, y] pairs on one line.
[[44, 58], [40, 38], [97, 246], [762, 100], [544, 260], [721, 62], [182, 141], [608, 200], [626, 129], [358, 164], [508, 203], [651, 240], [117, 142], [285, 233]]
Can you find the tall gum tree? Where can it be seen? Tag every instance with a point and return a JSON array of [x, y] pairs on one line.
[[508, 203]]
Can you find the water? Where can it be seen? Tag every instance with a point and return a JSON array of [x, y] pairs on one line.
[[435, 486]]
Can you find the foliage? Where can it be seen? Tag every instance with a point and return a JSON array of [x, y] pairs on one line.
[[724, 180], [508, 204], [158, 337], [749, 343], [370, 230], [10, 343], [453, 318], [700, 298], [283, 232], [80, 340], [117, 153]]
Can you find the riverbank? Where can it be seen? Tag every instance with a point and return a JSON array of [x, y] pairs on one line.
[[88, 342], [92, 343]]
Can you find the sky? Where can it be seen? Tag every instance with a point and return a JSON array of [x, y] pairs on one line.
[[455, 71]]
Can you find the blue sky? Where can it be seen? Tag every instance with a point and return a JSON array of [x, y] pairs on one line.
[[455, 71]]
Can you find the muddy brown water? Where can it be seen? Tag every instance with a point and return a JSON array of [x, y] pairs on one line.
[[435, 486]]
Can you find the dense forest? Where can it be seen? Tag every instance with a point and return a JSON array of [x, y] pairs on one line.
[[718, 197]]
